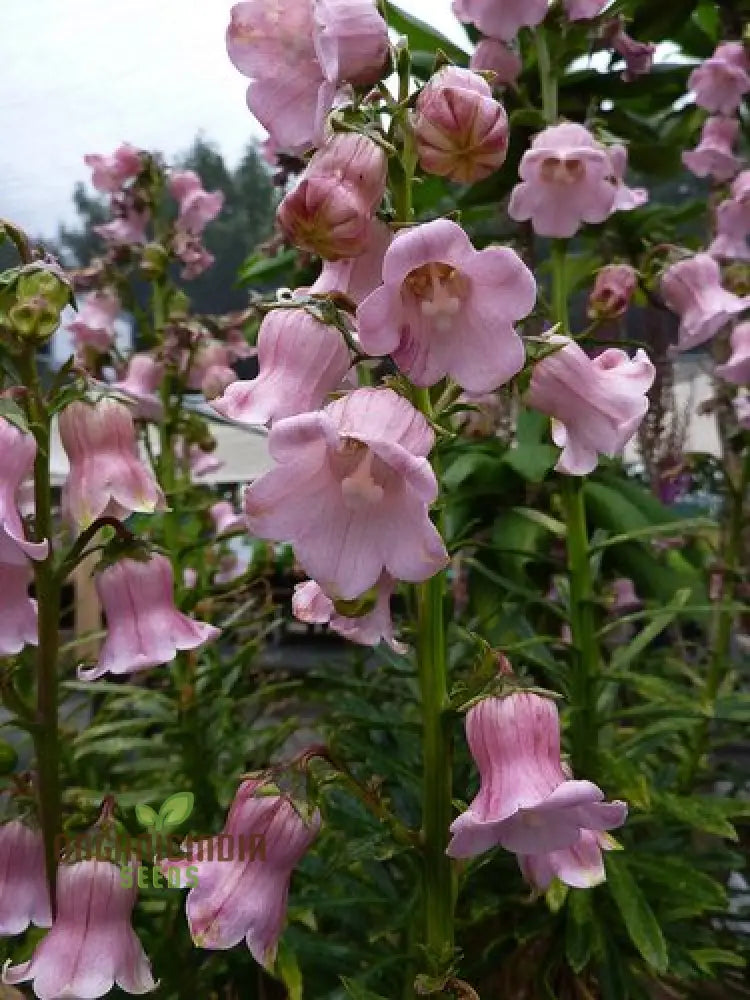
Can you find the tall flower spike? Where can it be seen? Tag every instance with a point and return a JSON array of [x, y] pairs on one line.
[[721, 82], [525, 802], [18, 613], [351, 491], [144, 628], [502, 19], [19, 451], [737, 367], [106, 475], [246, 896], [596, 404], [24, 898], [311, 605], [445, 308], [713, 156], [300, 360], [692, 288], [91, 946], [566, 180]]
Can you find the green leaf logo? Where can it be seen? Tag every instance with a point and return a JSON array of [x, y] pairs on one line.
[[145, 815], [175, 810]]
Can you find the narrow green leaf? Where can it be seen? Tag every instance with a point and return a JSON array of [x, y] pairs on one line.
[[638, 917], [579, 930], [626, 654], [288, 971], [358, 992]]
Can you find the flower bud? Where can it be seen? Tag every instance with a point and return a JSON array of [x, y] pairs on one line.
[[612, 292], [154, 261], [461, 130]]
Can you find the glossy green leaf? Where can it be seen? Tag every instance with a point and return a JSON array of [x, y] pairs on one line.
[[638, 917]]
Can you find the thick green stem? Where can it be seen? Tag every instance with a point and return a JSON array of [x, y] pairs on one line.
[[546, 77]]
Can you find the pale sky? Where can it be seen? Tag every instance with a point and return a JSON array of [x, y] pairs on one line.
[[80, 76]]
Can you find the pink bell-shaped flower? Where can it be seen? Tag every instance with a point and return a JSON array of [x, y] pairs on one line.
[[350, 491], [18, 450], [91, 945], [196, 207], [144, 628], [445, 308], [24, 898], [244, 873], [460, 129], [692, 288], [721, 82], [638, 56], [141, 387], [351, 41], [580, 866], [311, 605], [713, 156], [110, 172], [226, 520], [492, 55], [737, 368], [300, 360], [525, 803], [733, 222], [596, 404], [95, 324], [566, 180], [106, 475], [626, 198], [501, 18], [583, 10], [18, 612], [356, 277], [613, 289], [190, 251], [128, 227]]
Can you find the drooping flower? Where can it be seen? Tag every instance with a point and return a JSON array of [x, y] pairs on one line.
[[311, 605], [140, 386], [300, 360], [461, 131], [737, 368], [501, 19], [692, 288], [612, 291], [144, 628], [24, 898], [356, 277], [596, 404], [106, 475], [226, 519], [445, 308], [580, 866], [713, 156], [192, 253], [18, 450], [638, 56], [91, 945], [492, 55], [624, 597], [351, 491], [18, 614], [733, 222], [129, 226], [95, 325], [330, 210], [197, 207], [720, 82], [626, 198], [584, 10], [351, 41], [566, 180], [111, 172], [246, 896], [525, 803], [203, 461]]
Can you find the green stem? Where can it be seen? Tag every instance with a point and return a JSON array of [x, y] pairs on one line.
[[546, 77]]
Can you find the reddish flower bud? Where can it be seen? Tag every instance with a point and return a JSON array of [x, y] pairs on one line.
[[612, 291]]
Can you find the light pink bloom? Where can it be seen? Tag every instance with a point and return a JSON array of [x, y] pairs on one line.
[[501, 18], [720, 82], [351, 491], [237, 345], [273, 43], [106, 475], [566, 179], [191, 252], [356, 277], [525, 803], [713, 156], [95, 325], [612, 291], [460, 129], [447, 309], [737, 368], [141, 386], [144, 628], [202, 462], [246, 897], [733, 222], [18, 616], [196, 207], [596, 404], [23, 884], [216, 380], [492, 55], [300, 360], [209, 354], [626, 198], [111, 172], [18, 450], [580, 866], [351, 41], [311, 605], [91, 946], [584, 10], [742, 410], [226, 520], [624, 596], [638, 56], [129, 227], [692, 289]]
